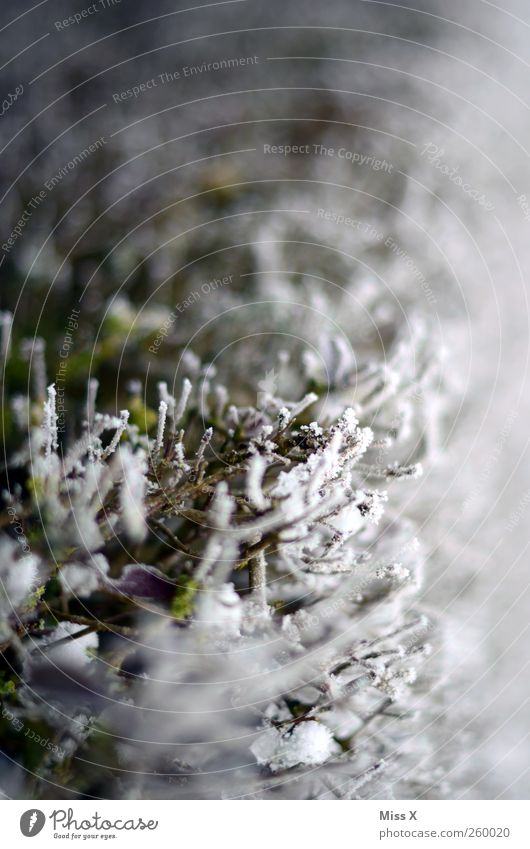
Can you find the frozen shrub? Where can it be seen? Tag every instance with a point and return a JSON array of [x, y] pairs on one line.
[[221, 604]]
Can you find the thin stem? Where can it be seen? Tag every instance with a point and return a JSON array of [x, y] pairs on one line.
[[258, 580], [174, 540]]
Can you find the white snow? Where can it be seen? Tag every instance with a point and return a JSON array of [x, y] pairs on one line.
[[78, 579], [132, 493], [221, 609], [75, 652], [18, 581], [307, 744]]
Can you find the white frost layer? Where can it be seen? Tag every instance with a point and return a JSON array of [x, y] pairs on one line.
[[18, 581], [75, 652], [308, 744], [221, 609]]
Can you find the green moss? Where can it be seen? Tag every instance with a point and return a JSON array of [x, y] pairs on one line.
[[7, 685], [35, 598], [182, 604], [143, 417]]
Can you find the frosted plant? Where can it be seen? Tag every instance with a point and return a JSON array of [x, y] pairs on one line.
[[221, 592], [225, 605]]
